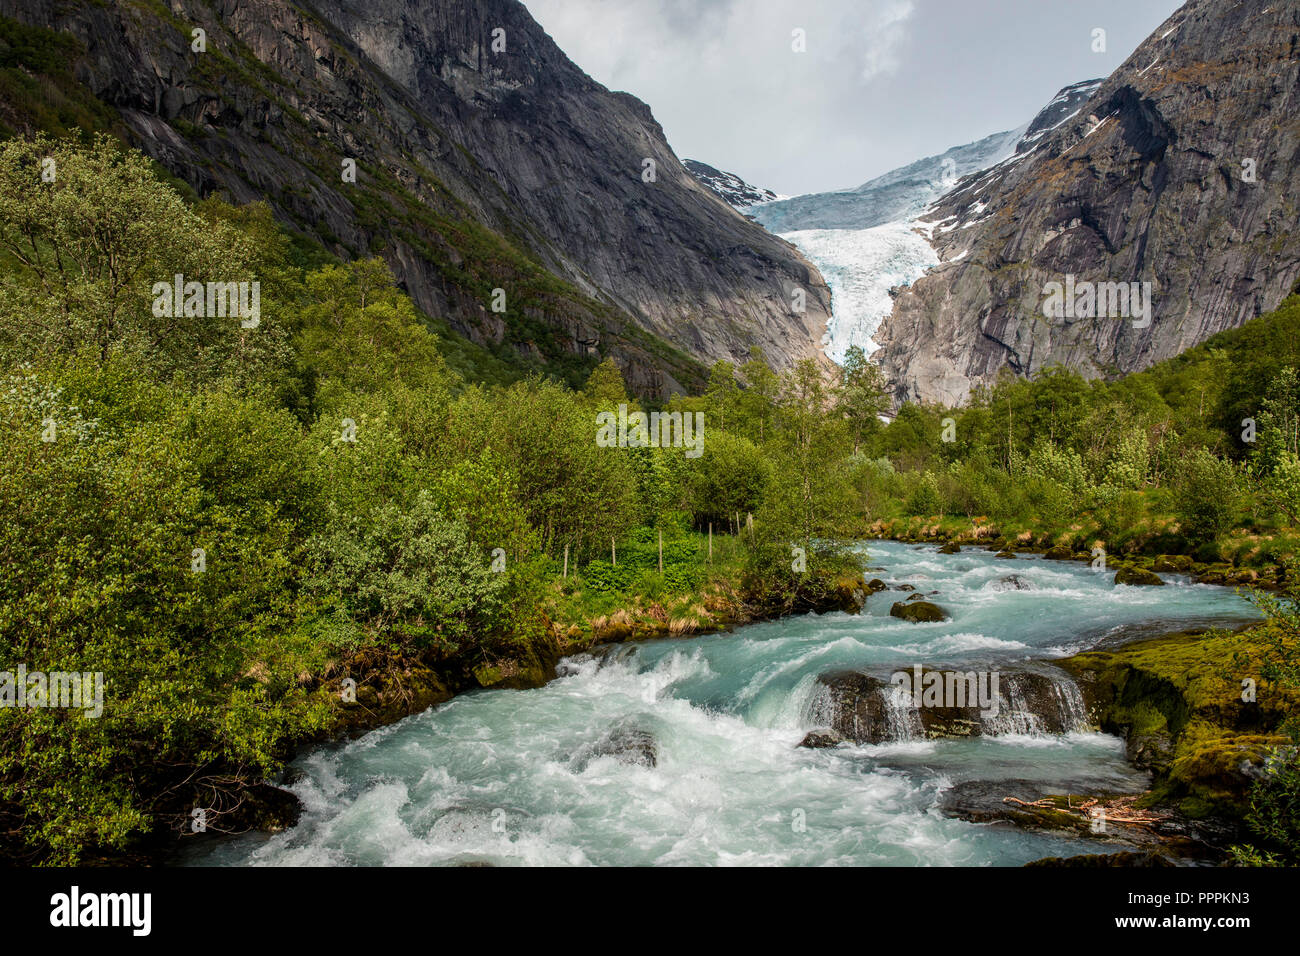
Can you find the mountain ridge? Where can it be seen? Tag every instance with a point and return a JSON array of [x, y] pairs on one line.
[[863, 239], [1146, 184]]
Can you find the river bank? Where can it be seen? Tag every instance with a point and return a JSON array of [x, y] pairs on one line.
[[1251, 565]]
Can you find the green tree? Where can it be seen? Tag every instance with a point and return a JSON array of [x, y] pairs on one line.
[[86, 249], [864, 395]]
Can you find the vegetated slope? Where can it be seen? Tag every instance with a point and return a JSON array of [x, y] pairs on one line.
[[476, 170]]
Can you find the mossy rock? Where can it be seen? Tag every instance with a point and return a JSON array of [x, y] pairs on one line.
[[918, 612], [952, 547], [1006, 555], [1135, 576], [849, 593], [1176, 700], [1060, 552], [875, 584], [1172, 564]]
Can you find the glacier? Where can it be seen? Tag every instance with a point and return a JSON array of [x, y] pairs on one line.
[[869, 239], [861, 266]]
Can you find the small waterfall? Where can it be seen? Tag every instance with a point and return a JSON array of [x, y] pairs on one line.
[[1038, 703], [902, 720], [820, 708], [1015, 715], [1074, 712]]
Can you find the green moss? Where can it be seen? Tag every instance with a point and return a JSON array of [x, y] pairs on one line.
[[1188, 688]]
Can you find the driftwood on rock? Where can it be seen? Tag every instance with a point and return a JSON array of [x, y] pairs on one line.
[[1118, 810]]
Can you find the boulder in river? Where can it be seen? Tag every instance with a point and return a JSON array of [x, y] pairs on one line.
[[1005, 555], [875, 584], [1012, 582], [918, 611], [952, 547], [626, 743], [1132, 575], [821, 739], [855, 707], [868, 709], [1059, 552]]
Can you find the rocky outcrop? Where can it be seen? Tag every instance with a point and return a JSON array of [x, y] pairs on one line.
[[728, 187], [626, 743], [484, 159], [821, 739], [1179, 703], [867, 709], [1180, 171]]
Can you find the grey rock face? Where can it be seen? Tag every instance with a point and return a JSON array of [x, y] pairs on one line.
[[1144, 184], [477, 168]]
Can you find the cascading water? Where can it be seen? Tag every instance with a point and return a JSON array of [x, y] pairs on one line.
[[1015, 715], [685, 751], [1073, 710], [902, 719]]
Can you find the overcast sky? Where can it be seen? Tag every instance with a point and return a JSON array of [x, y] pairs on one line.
[[883, 82]]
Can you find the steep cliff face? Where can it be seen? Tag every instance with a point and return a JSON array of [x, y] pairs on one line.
[[1149, 182], [485, 159]]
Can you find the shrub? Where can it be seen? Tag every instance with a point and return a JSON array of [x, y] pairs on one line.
[[1206, 495], [408, 577]]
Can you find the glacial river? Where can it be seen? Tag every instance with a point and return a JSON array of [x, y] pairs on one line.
[[530, 777]]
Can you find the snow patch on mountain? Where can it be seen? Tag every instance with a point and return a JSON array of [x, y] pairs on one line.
[[729, 187]]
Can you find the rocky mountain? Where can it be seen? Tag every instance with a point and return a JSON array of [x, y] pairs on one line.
[[729, 187], [864, 240], [1179, 171], [485, 159]]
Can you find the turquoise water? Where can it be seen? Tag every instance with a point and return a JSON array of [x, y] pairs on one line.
[[517, 777]]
